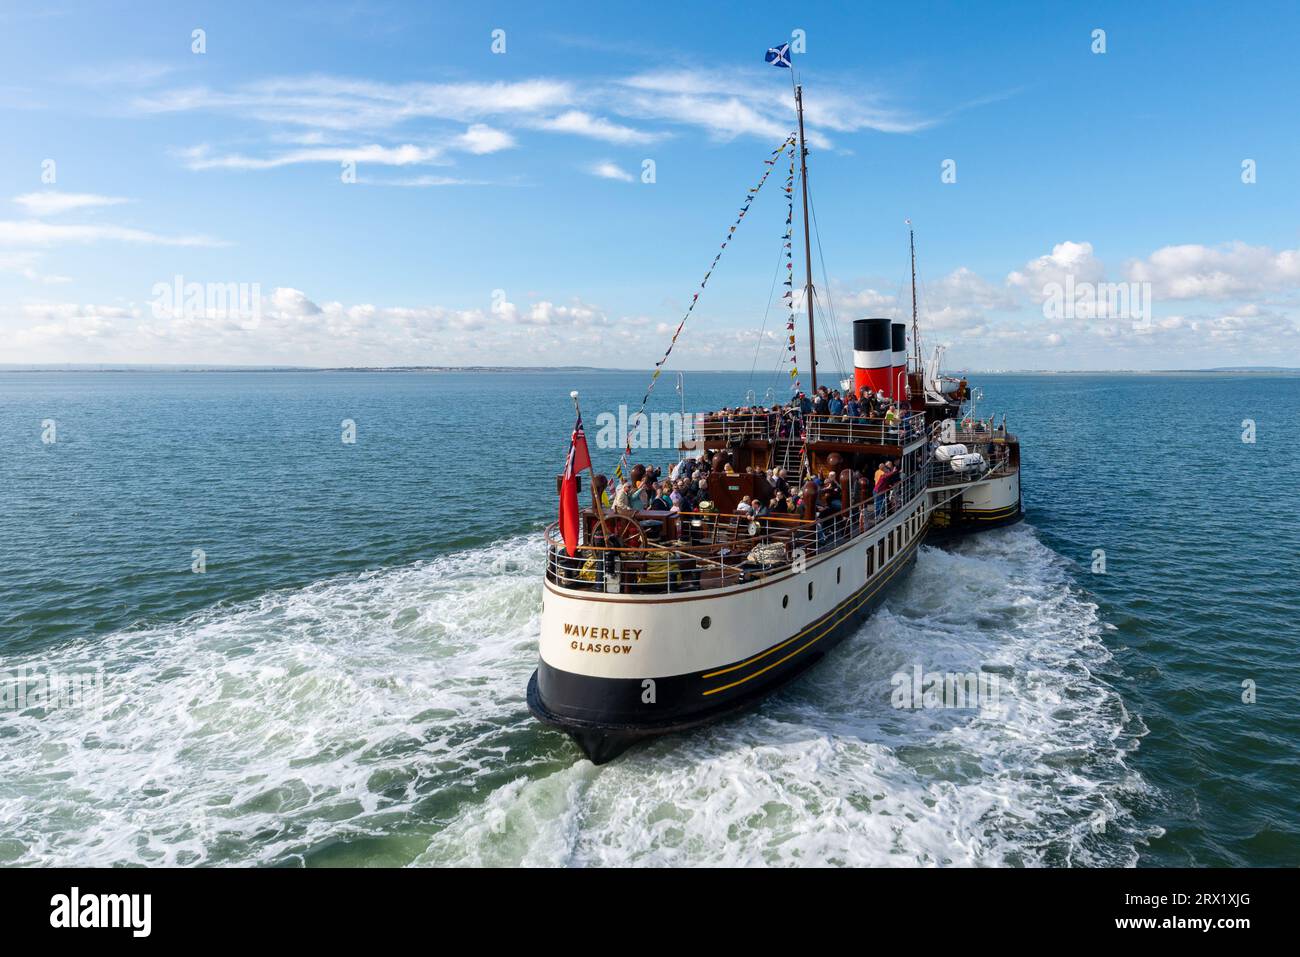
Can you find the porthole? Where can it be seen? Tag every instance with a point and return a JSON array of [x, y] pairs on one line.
[[706, 621], [785, 601], [810, 584]]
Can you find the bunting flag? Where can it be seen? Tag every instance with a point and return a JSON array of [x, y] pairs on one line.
[[770, 163], [788, 244]]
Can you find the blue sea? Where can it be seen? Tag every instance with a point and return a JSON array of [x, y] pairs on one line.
[[309, 651]]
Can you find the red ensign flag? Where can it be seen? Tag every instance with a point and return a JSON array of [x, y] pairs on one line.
[[579, 459]]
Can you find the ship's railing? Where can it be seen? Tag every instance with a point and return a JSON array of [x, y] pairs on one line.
[[997, 459], [719, 550], [845, 428], [718, 428]]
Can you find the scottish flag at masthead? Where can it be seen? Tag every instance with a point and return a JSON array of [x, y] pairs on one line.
[[779, 55]]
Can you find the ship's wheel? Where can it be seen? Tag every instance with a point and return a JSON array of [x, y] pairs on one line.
[[623, 532]]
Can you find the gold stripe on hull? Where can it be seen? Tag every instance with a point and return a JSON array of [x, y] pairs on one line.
[[870, 588]]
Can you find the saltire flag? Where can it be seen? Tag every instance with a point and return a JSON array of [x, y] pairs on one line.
[[579, 459], [779, 56]]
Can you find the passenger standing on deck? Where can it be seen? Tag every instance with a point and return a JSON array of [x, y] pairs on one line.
[[644, 492], [882, 485]]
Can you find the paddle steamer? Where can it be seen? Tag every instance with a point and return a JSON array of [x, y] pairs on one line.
[[661, 621]]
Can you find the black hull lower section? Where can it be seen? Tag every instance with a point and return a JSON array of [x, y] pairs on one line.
[[973, 523], [606, 716]]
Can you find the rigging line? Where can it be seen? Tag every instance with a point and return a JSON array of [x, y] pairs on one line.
[[835, 341], [750, 195], [780, 254], [828, 332]]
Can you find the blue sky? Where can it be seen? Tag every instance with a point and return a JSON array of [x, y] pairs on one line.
[[499, 214]]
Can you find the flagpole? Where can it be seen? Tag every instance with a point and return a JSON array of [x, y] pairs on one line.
[[595, 495]]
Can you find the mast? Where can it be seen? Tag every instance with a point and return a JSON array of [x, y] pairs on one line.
[[807, 243], [916, 335]]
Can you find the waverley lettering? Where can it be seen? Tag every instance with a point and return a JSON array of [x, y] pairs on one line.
[[103, 910], [599, 639], [602, 634]]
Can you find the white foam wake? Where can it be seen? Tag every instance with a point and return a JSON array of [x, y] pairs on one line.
[[830, 773], [380, 719], [334, 721]]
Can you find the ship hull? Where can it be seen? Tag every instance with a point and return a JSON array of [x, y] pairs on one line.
[[608, 700], [995, 503]]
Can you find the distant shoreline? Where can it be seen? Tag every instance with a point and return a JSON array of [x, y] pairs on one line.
[[144, 367]]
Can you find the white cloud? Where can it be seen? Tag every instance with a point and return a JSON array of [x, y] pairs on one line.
[[1234, 270], [341, 103], [424, 181], [744, 102], [726, 104], [958, 299], [480, 139], [1066, 259], [35, 233], [52, 202], [25, 262], [200, 157], [607, 170], [293, 329], [293, 302], [595, 127]]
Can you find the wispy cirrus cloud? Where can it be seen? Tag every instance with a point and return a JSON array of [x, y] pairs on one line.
[[53, 202], [633, 110], [580, 123], [732, 103], [33, 232], [202, 157], [342, 103], [424, 181]]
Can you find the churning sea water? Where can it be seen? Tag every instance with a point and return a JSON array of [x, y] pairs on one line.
[[343, 683]]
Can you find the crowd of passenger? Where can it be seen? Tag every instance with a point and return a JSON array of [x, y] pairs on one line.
[[686, 489], [786, 419]]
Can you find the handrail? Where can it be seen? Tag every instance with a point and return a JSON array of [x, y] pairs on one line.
[[735, 521], [738, 425], [832, 428], [675, 566]]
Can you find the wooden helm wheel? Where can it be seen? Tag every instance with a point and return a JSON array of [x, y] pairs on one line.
[[623, 532]]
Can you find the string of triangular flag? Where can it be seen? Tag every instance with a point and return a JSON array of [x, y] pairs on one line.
[[731, 232], [788, 240]]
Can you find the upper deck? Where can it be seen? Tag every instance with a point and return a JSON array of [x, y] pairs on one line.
[[721, 429], [694, 551]]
